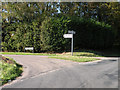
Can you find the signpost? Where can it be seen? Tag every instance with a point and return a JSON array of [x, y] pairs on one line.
[[70, 35], [29, 48], [72, 32]]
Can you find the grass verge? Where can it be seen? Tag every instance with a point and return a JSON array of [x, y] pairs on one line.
[[24, 53], [87, 54], [78, 56], [74, 58], [9, 71], [84, 54]]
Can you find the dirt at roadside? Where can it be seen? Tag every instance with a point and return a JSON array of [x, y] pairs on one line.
[[7, 60]]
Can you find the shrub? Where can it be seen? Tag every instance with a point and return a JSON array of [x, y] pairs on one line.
[[48, 35], [52, 30], [91, 34], [21, 35], [9, 71]]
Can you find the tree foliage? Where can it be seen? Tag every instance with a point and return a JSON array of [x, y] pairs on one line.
[[52, 30], [23, 24], [91, 33]]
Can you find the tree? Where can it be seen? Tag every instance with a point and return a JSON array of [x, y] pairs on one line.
[[52, 30], [25, 19]]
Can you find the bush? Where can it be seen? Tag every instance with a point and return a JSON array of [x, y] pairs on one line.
[[91, 34], [9, 71], [48, 35], [52, 30], [21, 35]]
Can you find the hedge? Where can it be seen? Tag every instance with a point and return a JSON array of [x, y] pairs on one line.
[[52, 30], [91, 33], [48, 35]]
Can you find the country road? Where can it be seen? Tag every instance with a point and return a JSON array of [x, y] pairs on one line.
[[44, 72]]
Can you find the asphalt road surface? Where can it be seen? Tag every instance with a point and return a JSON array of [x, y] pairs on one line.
[[43, 72]]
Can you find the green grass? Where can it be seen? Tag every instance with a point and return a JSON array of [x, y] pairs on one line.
[[78, 56], [85, 54], [9, 71], [74, 58], [24, 53]]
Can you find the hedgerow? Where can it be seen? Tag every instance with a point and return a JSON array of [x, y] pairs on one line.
[[48, 35]]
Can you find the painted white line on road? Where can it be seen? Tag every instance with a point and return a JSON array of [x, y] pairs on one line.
[[101, 59], [20, 79], [90, 62], [44, 73]]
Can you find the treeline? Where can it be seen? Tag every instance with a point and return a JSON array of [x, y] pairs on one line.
[[42, 25]]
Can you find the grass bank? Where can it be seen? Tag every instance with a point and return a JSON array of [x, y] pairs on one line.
[[9, 70], [24, 53], [74, 58], [87, 54], [78, 56]]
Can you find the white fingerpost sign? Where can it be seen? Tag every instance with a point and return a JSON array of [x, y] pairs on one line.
[[70, 35], [71, 32], [29, 48]]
